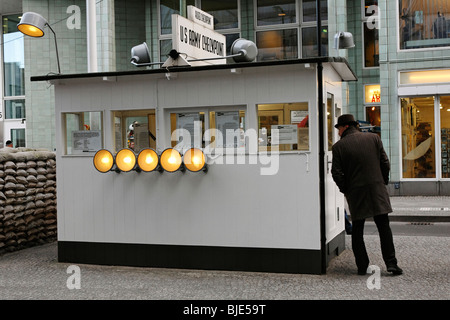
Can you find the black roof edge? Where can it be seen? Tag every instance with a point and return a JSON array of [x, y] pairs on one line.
[[140, 71]]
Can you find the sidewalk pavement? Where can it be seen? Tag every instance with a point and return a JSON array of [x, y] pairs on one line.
[[35, 274], [420, 208]]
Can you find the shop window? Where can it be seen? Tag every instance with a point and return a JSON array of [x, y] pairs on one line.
[[424, 24], [444, 107], [273, 12], [277, 44], [418, 147], [225, 13], [134, 129], [83, 132], [283, 127], [373, 119], [187, 129]]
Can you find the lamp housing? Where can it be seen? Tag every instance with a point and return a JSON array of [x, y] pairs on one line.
[[125, 160], [194, 160], [148, 160], [244, 50], [343, 40], [103, 160], [32, 24], [171, 160]]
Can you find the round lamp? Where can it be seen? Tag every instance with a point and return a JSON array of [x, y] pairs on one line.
[[148, 160], [125, 160], [194, 160], [32, 24], [103, 161], [171, 160]]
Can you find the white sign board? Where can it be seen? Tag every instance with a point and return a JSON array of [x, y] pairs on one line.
[[197, 41], [200, 17], [284, 134]]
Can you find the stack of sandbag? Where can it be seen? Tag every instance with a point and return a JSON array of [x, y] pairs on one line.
[[27, 198]]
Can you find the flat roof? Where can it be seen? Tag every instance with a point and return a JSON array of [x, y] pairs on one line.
[[340, 64]]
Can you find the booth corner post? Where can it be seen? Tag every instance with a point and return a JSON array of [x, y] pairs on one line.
[[321, 128]]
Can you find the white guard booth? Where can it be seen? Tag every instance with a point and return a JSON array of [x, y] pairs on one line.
[[267, 201]]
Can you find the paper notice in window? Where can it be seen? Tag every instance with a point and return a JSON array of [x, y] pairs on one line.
[[86, 141], [284, 134]]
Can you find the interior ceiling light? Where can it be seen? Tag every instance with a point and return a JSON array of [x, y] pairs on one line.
[[194, 159], [171, 160], [125, 160], [103, 160]]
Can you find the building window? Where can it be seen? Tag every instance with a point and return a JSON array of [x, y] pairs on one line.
[[134, 129], [166, 9], [418, 145], [277, 44], [273, 12], [225, 13], [309, 42], [18, 137], [423, 24], [309, 10], [370, 26], [83, 132], [444, 112], [283, 127], [13, 57], [15, 109]]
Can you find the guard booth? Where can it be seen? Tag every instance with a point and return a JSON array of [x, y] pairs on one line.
[[264, 200]]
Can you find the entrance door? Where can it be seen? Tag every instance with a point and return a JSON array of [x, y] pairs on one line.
[[334, 215]]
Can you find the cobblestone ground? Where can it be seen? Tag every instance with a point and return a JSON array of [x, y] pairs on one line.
[[34, 273]]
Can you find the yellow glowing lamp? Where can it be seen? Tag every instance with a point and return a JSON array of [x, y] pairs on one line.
[[171, 160], [148, 160], [103, 161], [125, 160], [32, 24], [194, 160]]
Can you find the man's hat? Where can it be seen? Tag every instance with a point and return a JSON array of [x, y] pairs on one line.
[[345, 119]]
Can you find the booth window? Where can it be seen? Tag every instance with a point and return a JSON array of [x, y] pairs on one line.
[[83, 132], [283, 127], [134, 129], [424, 24], [225, 127]]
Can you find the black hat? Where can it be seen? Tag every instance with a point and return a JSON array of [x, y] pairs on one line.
[[346, 119]]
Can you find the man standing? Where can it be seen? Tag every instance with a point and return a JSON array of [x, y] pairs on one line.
[[360, 169]]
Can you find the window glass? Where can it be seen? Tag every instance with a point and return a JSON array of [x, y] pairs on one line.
[[373, 119], [13, 57], [225, 13], [166, 9], [424, 24], [418, 147], [187, 129], [15, 109], [229, 129], [370, 6], [277, 44], [273, 12], [283, 126], [371, 46], [83, 132], [18, 137], [309, 42], [309, 10], [134, 129], [444, 107]]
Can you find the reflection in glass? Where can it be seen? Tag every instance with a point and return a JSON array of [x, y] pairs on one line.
[[277, 44], [15, 109], [371, 53], [225, 13], [273, 12], [309, 10], [309, 42], [13, 57], [167, 8]]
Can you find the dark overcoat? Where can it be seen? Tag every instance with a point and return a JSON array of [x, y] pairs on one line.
[[360, 169]]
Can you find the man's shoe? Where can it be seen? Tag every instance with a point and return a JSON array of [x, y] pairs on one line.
[[395, 270]]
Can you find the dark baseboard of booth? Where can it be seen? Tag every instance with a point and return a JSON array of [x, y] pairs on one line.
[[192, 257]]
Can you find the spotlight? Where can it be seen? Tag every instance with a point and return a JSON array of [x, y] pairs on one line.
[[148, 160], [171, 160], [125, 160], [103, 161], [194, 160]]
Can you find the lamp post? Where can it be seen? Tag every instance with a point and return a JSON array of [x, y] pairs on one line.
[[32, 24]]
